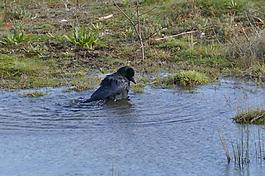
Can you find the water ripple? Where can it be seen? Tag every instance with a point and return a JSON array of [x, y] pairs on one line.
[[156, 107]]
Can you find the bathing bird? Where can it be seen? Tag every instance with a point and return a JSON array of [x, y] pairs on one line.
[[114, 86]]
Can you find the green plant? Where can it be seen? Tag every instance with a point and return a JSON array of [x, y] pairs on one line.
[[13, 38], [83, 38]]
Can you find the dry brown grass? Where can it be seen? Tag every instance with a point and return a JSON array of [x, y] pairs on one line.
[[248, 47]]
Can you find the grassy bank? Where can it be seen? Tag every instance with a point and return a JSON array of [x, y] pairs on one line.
[[52, 43]]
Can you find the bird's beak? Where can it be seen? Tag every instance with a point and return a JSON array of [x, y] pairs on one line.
[[132, 79]]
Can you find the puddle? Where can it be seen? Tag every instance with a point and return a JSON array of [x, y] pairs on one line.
[[160, 132]]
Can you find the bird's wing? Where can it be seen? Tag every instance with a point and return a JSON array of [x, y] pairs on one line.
[[109, 87]]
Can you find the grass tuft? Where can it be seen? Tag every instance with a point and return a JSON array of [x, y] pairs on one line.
[[251, 117], [187, 79], [83, 38], [13, 38]]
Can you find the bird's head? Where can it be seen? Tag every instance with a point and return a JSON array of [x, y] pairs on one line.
[[127, 72]]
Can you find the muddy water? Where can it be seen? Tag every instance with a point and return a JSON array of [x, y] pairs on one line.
[[160, 132]]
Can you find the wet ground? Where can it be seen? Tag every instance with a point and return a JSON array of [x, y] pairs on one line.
[[160, 132]]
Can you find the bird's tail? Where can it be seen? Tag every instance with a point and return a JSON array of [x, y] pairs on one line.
[[88, 100]]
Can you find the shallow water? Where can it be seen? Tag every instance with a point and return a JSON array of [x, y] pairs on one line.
[[160, 132]]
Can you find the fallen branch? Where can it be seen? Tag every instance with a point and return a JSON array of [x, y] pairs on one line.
[[176, 35]]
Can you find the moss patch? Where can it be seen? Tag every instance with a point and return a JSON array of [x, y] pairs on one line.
[[187, 79], [251, 117]]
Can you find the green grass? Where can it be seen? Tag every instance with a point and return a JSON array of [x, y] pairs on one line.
[[251, 117], [34, 72], [228, 40], [13, 66], [185, 79], [18, 72]]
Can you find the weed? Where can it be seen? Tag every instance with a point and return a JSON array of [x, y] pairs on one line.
[[13, 38], [83, 38]]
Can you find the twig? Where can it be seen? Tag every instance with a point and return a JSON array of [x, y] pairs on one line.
[[176, 35], [139, 30], [136, 29]]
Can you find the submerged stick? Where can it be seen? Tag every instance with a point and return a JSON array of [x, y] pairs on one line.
[[225, 147]]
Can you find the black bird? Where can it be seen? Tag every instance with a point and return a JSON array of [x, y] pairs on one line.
[[115, 86]]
